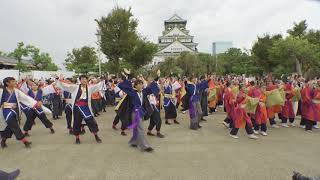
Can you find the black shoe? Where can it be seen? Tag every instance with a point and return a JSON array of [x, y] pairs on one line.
[[70, 131], [203, 119], [176, 122], [98, 139], [149, 149], [78, 141], [104, 110], [133, 145], [168, 123], [123, 133], [3, 144], [159, 135], [199, 126], [95, 115], [27, 144], [52, 131], [150, 134], [26, 134]]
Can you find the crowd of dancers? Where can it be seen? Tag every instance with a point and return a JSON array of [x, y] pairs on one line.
[[249, 103]]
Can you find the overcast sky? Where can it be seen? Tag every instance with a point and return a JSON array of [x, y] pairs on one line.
[[58, 26]]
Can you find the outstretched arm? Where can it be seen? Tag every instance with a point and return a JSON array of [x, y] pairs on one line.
[[30, 102], [126, 86], [97, 87], [48, 90], [71, 88]]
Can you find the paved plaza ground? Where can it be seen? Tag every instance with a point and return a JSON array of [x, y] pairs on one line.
[[207, 154]]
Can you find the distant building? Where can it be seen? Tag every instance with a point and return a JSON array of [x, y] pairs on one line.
[[175, 39], [221, 47], [10, 63]]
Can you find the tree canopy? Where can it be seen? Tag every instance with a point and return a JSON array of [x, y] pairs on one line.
[[40, 60], [82, 60], [119, 41]]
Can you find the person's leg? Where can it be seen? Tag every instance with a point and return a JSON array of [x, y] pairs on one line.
[[284, 121], [68, 112], [309, 125], [167, 114], [45, 121], [151, 124], [253, 121], [13, 128], [256, 128], [291, 120], [199, 113], [264, 127], [263, 131], [6, 134], [248, 129], [227, 122], [234, 132], [174, 113], [158, 123], [94, 106], [115, 121], [124, 126], [31, 116], [93, 127], [303, 122], [77, 120], [272, 121]]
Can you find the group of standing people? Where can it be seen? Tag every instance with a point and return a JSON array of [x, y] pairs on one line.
[[254, 103], [248, 103]]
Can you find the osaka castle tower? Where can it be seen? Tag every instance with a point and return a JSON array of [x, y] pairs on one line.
[[175, 39]]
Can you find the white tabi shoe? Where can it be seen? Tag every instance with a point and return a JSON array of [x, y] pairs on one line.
[[309, 131], [292, 124], [263, 133], [234, 136], [275, 126], [302, 126], [255, 132], [252, 136], [226, 124], [316, 127], [284, 125]]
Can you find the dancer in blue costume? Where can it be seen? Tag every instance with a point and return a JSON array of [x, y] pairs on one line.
[[139, 100]]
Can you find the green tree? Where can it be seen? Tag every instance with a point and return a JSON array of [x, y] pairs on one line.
[[82, 60], [141, 54], [41, 61], [299, 29], [260, 51], [191, 64], [235, 61], [313, 36], [295, 55], [18, 53], [117, 35], [208, 61], [169, 66], [3, 54]]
